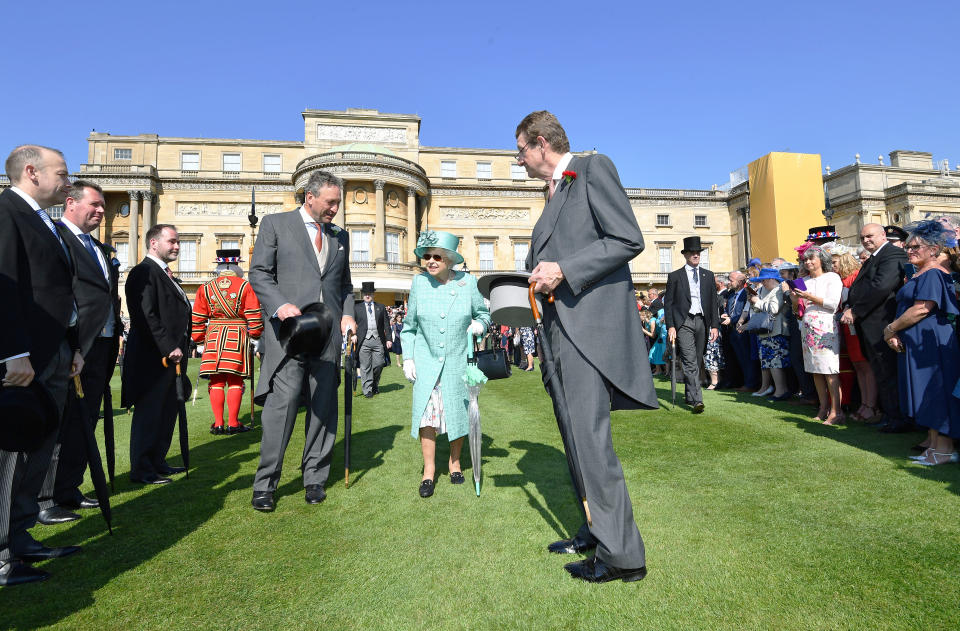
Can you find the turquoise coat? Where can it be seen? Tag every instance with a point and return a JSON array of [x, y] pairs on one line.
[[435, 337]]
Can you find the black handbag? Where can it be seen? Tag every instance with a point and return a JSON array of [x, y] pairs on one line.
[[493, 363]]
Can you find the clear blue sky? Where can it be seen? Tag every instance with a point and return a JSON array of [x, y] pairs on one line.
[[677, 93]]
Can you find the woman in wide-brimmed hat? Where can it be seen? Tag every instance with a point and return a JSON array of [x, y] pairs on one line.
[[773, 344], [445, 310]]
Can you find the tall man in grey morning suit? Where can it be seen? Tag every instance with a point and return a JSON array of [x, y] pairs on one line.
[[300, 258], [580, 249], [691, 314]]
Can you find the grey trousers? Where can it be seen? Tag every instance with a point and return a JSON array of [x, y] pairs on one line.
[[280, 413], [371, 363], [691, 340], [588, 400], [22, 474]]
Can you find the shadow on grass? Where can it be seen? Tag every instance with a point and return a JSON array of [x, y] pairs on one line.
[[144, 526], [546, 468]]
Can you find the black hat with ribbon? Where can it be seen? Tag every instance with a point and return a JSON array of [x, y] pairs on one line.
[[28, 415], [308, 333]]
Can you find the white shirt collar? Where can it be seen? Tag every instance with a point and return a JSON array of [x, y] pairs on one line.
[[158, 261], [880, 248], [33, 203], [69, 224], [689, 267], [307, 219], [562, 166]]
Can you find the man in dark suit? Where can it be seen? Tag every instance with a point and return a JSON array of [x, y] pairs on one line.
[[38, 340], [740, 342], [691, 315], [872, 306], [98, 306], [371, 333], [301, 258], [580, 250], [656, 302], [159, 328]]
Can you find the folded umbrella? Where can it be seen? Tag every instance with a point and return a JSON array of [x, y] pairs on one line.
[[108, 441], [673, 371], [474, 378], [349, 383], [182, 419], [96, 465]]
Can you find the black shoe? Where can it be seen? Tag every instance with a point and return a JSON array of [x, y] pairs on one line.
[[698, 408], [376, 390], [217, 430], [314, 494], [263, 501], [151, 478], [782, 397], [426, 488], [456, 477], [574, 545], [896, 427], [168, 470], [237, 429], [36, 551], [14, 572], [56, 515], [78, 501], [593, 570], [368, 395]]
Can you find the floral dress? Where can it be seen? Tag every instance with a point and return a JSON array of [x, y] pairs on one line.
[[526, 336], [819, 330]]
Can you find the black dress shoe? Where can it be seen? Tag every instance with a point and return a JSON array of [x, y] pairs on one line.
[[16, 573], [151, 479], [238, 429], [263, 501], [168, 470], [314, 494], [698, 408], [368, 395], [574, 545], [88, 503], [56, 515], [78, 501], [36, 551], [217, 430], [593, 570], [426, 488], [456, 477]]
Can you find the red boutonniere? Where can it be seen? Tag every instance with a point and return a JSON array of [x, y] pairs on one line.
[[569, 176]]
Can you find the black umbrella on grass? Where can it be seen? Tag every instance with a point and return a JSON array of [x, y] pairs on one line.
[[96, 464]]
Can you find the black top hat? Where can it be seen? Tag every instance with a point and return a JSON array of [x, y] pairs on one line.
[[692, 244], [895, 233], [367, 287], [306, 334], [27, 416], [822, 232]]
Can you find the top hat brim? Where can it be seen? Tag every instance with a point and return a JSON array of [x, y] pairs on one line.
[[509, 296], [307, 333], [28, 415]]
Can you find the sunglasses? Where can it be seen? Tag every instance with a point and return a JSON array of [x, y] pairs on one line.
[[433, 257]]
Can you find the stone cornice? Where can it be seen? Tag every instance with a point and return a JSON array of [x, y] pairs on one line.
[[367, 166], [360, 114], [479, 191]]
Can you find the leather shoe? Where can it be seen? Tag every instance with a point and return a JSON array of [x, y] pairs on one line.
[[456, 477], [314, 494], [36, 551], [16, 573], [698, 408], [368, 395], [263, 501], [151, 478], [574, 545], [168, 470], [56, 515], [237, 429], [426, 488], [78, 501], [593, 570], [217, 430]]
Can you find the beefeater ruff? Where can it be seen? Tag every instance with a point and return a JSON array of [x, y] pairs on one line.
[[226, 314]]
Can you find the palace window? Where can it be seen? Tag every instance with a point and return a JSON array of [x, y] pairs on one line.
[[448, 168], [484, 170], [360, 245], [520, 250], [663, 220], [123, 154], [705, 257], [665, 258], [517, 172], [699, 221], [123, 250], [272, 163], [230, 243], [190, 161], [485, 255], [393, 247], [55, 212], [188, 256], [231, 162]]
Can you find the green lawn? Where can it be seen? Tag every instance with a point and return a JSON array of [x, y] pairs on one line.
[[754, 518]]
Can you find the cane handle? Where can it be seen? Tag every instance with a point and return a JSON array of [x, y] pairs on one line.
[[533, 302], [77, 386], [167, 365], [586, 511]]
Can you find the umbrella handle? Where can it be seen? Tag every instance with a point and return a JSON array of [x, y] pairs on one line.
[[166, 365], [77, 386], [533, 303]]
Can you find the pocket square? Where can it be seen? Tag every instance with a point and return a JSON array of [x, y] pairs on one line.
[[340, 248]]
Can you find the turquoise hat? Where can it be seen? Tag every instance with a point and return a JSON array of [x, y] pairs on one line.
[[437, 239]]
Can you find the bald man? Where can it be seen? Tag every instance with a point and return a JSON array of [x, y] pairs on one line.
[[872, 306]]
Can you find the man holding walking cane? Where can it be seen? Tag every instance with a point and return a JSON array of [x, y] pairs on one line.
[[580, 249]]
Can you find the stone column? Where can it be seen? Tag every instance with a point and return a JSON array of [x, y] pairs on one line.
[[147, 217], [380, 230], [411, 241], [134, 254], [341, 218]]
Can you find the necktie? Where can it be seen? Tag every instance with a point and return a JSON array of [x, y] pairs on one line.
[[370, 308], [696, 275], [49, 223], [553, 187], [318, 240], [169, 273], [88, 244]]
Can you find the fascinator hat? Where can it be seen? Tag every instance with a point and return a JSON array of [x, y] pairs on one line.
[[930, 231], [437, 239]]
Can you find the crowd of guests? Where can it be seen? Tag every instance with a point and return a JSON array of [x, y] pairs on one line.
[[863, 333]]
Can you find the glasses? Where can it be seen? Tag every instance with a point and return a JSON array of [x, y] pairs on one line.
[[913, 248], [433, 257], [524, 150]]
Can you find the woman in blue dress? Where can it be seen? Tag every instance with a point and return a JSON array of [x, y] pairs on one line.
[[928, 367], [660, 346]]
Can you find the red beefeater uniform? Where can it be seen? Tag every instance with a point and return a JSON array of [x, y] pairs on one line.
[[226, 315]]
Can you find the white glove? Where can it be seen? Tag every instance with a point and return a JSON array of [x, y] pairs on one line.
[[256, 346], [409, 370], [476, 328]]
